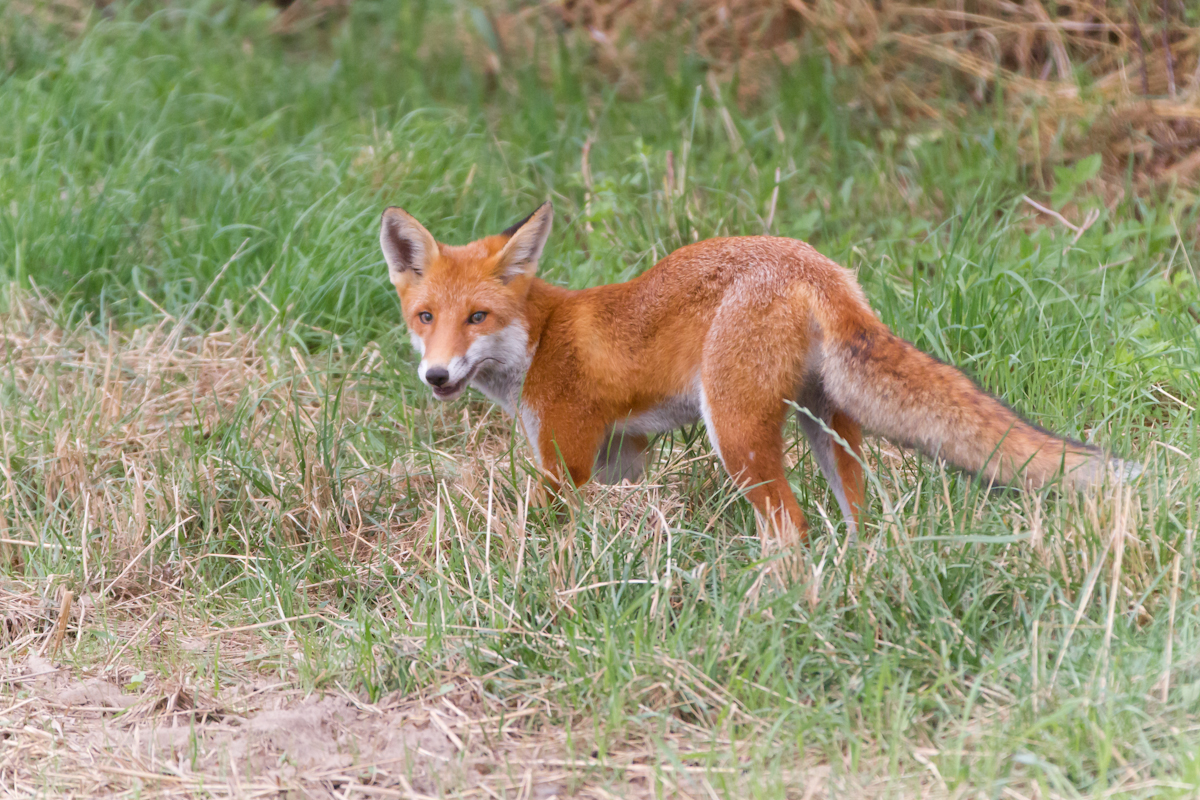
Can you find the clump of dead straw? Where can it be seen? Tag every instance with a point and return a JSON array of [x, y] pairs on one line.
[[1081, 76]]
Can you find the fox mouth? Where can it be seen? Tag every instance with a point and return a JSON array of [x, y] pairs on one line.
[[449, 391]]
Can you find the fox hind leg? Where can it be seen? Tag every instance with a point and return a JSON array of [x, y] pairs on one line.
[[742, 392], [842, 470], [749, 441]]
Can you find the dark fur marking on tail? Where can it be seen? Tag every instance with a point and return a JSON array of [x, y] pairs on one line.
[[512, 229], [861, 344]]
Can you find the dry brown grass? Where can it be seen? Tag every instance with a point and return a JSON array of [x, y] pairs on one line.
[[1080, 76]]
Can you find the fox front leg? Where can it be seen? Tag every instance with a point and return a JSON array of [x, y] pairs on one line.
[[565, 463], [621, 457], [568, 460]]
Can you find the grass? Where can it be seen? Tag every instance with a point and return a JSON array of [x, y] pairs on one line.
[[214, 439]]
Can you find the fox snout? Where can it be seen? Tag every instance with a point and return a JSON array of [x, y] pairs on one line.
[[437, 376], [447, 380]]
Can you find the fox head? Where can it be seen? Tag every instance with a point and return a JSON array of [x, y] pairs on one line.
[[464, 306]]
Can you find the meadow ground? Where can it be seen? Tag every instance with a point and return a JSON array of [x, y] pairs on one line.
[[245, 553]]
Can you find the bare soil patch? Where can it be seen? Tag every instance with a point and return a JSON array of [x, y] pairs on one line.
[[91, 736]]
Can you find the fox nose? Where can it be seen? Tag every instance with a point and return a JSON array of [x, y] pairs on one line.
[[437, 376]]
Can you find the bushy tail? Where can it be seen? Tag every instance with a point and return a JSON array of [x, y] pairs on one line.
[[896, 390]]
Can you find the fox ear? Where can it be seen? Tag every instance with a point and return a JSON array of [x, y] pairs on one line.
[[407, 246], [526, 241]]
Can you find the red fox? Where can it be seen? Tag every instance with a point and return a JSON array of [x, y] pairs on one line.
[[731, 331]]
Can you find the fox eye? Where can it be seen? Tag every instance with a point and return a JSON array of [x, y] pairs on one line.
[[425, 317], [477, 317]]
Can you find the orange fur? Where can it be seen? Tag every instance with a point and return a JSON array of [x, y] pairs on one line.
[[726, 330]]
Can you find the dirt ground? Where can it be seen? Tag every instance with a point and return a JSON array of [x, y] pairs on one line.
[[66, 735]]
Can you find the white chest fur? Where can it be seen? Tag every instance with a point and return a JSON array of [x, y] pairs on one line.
[[503, 359]]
